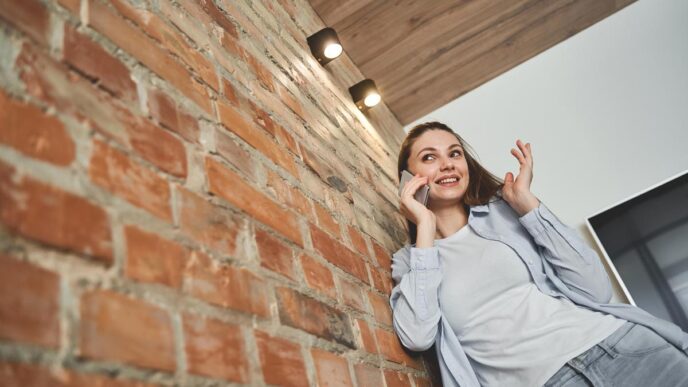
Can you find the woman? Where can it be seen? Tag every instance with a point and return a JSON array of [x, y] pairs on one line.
[[508, 294]]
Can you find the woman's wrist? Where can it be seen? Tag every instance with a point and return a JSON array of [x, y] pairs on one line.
[[525, 204], [425, 234]]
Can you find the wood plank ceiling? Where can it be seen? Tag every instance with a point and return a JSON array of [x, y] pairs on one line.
[[424, 54]]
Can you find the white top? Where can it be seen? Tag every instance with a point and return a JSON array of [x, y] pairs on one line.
[[512, 333]]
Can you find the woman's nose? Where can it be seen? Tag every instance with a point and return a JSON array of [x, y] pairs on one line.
[[446, 164]]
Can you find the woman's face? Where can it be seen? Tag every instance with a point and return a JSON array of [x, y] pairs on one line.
[[438, 155]]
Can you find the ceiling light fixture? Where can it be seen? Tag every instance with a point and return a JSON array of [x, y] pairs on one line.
[[365, 94], [325, 45]]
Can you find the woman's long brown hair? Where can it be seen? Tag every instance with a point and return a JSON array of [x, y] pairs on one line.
[[482, 185]]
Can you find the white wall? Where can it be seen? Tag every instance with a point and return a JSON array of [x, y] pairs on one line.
[[606, 111]]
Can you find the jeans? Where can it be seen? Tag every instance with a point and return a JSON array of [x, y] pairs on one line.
[[631, 356]]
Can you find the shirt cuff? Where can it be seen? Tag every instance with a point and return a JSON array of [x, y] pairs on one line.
[[533, 220], [426, 258]]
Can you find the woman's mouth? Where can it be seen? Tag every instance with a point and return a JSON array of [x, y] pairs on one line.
[[448, 182]]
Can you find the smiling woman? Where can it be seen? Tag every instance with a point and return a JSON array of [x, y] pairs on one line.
[[523, 301]]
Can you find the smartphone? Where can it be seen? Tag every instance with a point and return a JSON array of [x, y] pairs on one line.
[[422, 193]]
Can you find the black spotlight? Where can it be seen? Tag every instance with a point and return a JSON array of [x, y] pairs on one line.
[[325, 45], [365, 94]]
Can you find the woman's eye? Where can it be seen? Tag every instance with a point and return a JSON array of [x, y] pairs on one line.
[[428, 157], [456, 154]]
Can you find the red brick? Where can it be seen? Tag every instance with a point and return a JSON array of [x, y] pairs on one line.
[[229, 92], [231, 187], [29, 303], [261, 141], [158, 146], [116, 327], [226, 286], [240, 159], [338, 254], [114, 171], [332, 370], [262, 73], [422, 382], [49, 215], [136, 43], [231, 45], [23, 375], [289, 195], [211, 226], [326, 221], [358, 241], [381, 308], [382, 280], [391, 349], [367, 337], [281, 361], [151, 258], [171, 115], [91, 59], [384, 258], [368, 376], [286, 139], [218, 17], [305, 313], [50, 81], [170, 39], [291, 101], [351, 295], [318, 276], [274, 254], [396, 379], [30, 131], [71, 5], [215, 349], [30, 16], [262, 118]]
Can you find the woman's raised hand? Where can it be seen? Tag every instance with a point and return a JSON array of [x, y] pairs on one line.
[[411, 208], [516, 192]]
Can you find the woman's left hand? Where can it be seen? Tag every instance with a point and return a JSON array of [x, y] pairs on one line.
[[517, 192]]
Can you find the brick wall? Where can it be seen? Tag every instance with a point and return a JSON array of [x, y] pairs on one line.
[[188, 198]]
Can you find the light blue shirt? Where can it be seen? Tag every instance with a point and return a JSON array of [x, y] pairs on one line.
[[559, 262]]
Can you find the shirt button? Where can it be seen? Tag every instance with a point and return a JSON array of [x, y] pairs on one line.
[[530, 262], [422, 287]]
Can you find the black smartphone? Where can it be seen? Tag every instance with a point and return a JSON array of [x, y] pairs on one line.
[[422, 193]]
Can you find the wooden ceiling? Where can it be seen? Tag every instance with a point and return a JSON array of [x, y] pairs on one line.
[[424, 54]]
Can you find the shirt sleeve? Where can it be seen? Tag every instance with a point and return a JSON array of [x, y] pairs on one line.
[[415, 306], [574, 262]]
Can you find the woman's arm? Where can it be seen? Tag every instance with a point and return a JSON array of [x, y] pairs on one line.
[[414, 302], [574, 262]]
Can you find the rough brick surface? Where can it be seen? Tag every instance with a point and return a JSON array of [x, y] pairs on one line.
[[116, 327], [338, 254], [229, 186], [226, 286], [30, 131], [28, 303], [332, 370], [318, 276], [315, 317], [151, 258], [90, 58], [368, 376], [52, 216], [215, 349], [30, 16], [275, 254], [281, 361], [23, 375], [114, 171], [187, 198]]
